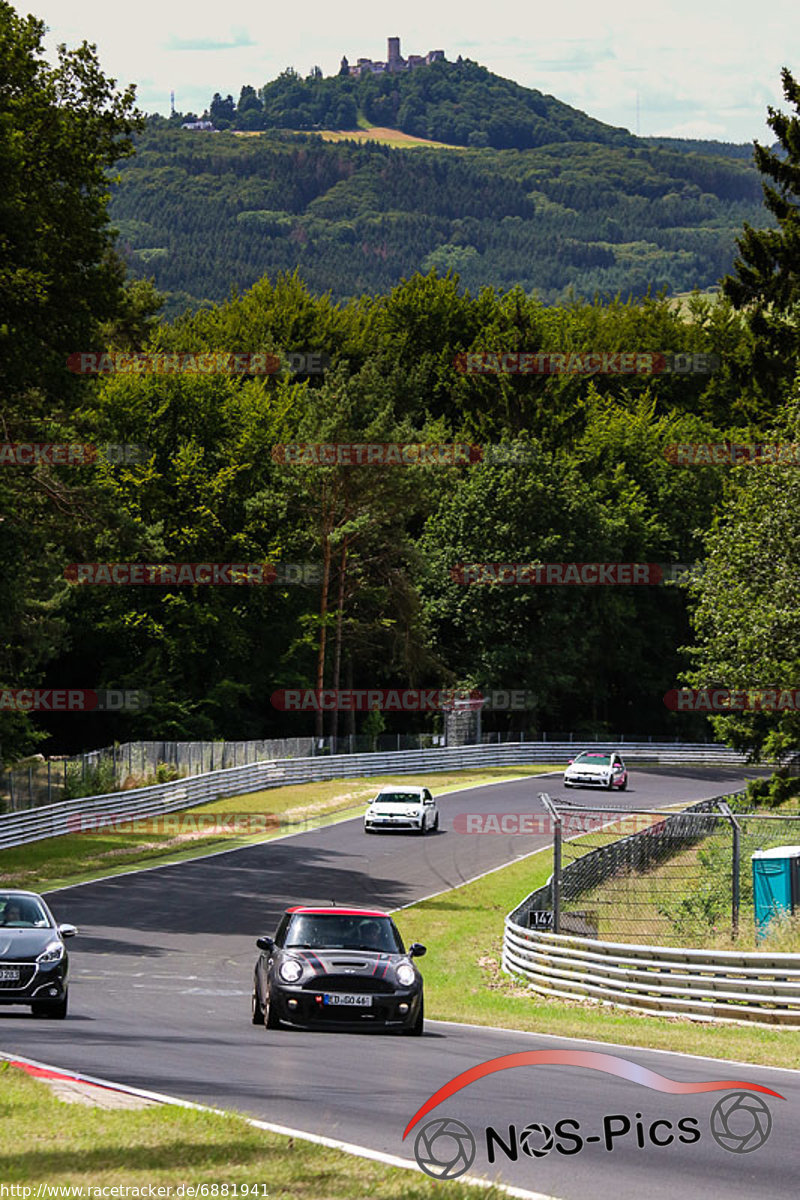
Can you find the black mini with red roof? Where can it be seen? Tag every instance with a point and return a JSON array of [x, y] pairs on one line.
[[335, 967]]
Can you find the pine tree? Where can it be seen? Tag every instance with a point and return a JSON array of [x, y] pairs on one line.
[[767, 279]]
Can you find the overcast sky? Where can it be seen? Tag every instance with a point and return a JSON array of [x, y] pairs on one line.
[[699, 70]]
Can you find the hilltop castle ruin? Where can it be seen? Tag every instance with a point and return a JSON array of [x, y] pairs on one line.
[[394, 61]]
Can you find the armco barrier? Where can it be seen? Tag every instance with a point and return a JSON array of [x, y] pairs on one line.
[[721, 985], [52, 820]]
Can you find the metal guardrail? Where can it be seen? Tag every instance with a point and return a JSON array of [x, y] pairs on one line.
[[724, 985], [53, 820], [38, 780]]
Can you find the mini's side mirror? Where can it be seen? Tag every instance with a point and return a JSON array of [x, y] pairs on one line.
[[265, 943], [67, 930], [416, 950]]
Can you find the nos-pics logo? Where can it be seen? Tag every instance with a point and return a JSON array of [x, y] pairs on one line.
[[445, 1148]]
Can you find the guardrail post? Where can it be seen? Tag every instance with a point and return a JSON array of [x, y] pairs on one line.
[[556, 887]]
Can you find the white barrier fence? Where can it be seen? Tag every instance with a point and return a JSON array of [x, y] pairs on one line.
[[54, 820], [721, 985]]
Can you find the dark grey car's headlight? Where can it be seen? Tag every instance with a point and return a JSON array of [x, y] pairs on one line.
[[290, 970], [406, 974], [52, 953]]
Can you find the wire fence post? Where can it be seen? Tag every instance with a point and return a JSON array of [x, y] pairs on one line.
[[726, 811], [556, 884]]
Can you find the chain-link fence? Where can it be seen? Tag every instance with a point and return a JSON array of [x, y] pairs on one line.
[[677, 879], [34, 782]]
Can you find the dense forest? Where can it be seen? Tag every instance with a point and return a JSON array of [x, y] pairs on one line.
[[588, 477], [203, 212]]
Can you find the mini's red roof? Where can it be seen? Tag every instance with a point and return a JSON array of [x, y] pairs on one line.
[[334, 910]]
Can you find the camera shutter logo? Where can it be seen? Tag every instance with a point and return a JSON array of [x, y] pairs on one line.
[[444, 1148], [536, 1140], [740, 1122]]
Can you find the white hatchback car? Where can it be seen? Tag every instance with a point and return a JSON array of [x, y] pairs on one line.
[[398, 806], [594, 769]]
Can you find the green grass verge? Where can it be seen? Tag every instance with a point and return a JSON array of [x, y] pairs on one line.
[[78, 858], [463, 931], [43, 1141]]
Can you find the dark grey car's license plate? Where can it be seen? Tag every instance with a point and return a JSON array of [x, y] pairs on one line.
[[347, 1000]]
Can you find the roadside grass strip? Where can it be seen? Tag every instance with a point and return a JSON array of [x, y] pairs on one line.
[[78, 858], [177, 1145], [463, 932]]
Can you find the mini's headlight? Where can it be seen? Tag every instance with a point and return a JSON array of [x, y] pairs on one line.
[[405, 974], [290, 970], [53, 953]]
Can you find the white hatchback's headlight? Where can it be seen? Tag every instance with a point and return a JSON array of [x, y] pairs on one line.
[[405, 974], [52, 953], [412, 812], [290, 970]]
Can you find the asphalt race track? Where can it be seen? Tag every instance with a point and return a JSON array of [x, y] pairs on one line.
[[160, 999]]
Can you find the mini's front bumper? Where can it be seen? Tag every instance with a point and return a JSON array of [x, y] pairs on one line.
[[301, 1006]]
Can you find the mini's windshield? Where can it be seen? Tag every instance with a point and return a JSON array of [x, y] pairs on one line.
[[322, 931], [22, 912]]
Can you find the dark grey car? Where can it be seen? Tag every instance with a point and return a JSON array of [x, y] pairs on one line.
[[34, 964], [344, 968]]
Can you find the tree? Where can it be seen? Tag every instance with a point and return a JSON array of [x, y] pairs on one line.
[[746, 619], [767, 279], [222, 111], [61, 130], [248, 99]]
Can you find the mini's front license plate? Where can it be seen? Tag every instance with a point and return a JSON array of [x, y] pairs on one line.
[[348, 1001], [9, 974]]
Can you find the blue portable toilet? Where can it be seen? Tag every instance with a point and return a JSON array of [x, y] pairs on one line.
[[776, 883]]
